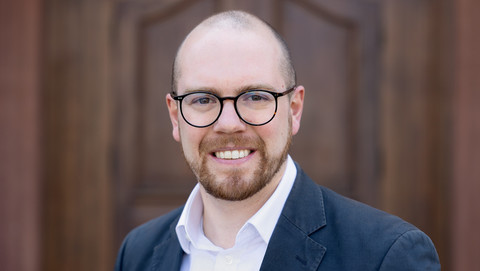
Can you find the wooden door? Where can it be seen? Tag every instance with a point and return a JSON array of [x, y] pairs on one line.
[[376, 125]]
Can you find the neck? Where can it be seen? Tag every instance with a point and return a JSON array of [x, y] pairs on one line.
[[222, 219]]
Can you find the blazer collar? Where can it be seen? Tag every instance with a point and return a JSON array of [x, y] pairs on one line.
[[168, 255], [291, 247]]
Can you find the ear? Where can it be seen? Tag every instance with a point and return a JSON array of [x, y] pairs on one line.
[[296, 108], [173, 112]]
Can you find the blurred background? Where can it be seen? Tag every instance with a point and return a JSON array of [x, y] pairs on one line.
[[86, 154]]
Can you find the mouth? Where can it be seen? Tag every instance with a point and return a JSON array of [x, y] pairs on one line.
[[232, 154]]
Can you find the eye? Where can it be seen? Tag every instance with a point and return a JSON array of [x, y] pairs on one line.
[[203, 100], [257, 96], [198, 99]]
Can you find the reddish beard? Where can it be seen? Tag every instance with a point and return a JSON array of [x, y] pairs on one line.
[[236, 186]]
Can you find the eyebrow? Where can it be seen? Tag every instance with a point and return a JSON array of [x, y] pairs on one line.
[[237, 91]]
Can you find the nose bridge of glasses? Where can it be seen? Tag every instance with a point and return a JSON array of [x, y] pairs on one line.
[[228, 119], [228, 105], [228, 98]]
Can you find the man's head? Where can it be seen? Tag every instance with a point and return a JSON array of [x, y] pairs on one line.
[[226, 55]]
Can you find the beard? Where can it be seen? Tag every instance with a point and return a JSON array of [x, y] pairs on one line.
[[238, 185]]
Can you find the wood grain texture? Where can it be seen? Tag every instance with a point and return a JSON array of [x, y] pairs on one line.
[[377, 124], [78, 225], [20, 130], [465, 218], [415, 110]]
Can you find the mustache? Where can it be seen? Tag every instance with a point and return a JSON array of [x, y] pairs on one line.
[[209, 144]]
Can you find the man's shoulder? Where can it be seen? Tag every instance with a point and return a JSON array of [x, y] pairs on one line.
[[377, 234], [335, 210], [347, 234], [136, 252], [339, 208], [152, 233], [157, 229]]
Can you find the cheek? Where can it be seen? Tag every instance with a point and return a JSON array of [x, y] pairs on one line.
[[190, 139], [283, 122], [275, 134]]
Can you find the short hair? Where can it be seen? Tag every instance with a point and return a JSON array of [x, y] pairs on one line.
[[242, 20]]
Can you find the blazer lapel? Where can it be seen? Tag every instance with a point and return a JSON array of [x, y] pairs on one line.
[[168, 255], [290, 247]]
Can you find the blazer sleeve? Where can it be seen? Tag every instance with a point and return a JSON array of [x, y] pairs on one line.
[[412, 250], [120, 256]]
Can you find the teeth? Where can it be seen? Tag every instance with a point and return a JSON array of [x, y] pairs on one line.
[[235, 154]]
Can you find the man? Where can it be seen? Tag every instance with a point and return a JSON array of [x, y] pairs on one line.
[[234, 108]]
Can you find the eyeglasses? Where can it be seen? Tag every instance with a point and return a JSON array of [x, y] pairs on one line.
[[256, 107]]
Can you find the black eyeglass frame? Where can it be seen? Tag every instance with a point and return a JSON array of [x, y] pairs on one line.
[[234, 99]]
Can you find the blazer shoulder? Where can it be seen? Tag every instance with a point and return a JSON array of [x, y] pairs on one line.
[[366, 218], [342, 234], [137, 248], [157, 229], [372, 234]]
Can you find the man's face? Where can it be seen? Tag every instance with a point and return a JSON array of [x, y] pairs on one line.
[[226, 64]]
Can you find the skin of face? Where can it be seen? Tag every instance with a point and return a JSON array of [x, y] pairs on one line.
[[227, 62]]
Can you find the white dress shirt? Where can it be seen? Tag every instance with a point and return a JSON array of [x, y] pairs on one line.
[[251, 241]]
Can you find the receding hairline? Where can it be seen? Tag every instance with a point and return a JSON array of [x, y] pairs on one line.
[[239, 21]]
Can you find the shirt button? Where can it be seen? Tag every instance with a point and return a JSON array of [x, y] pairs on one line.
[[229, 259]]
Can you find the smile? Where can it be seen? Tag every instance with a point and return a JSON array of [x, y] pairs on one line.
[[231, 155]]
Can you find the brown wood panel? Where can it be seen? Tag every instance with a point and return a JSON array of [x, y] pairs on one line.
[[20, 182], [465, 215], [336, 55], [381, 72], [415, 122], [78, 222]]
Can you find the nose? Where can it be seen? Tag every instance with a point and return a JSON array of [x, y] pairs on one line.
[[229, 121]]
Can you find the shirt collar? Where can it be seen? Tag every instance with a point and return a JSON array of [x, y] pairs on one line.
[[189, 228], [189, 225]]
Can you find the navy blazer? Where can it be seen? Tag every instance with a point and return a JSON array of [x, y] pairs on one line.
[[317, 230]]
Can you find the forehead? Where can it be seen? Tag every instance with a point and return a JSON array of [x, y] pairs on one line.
[[229, 59]]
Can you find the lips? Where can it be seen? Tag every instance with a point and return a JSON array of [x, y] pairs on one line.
[[232, 154]]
